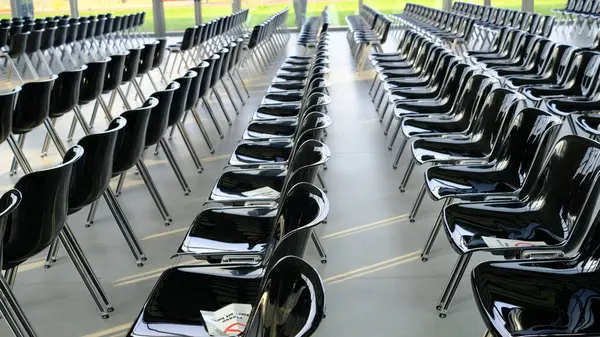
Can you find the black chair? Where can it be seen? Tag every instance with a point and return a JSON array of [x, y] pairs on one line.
[[128, 153], [10, 308], [237, 186], [178, 108], [64, 97], [198, 285], [29, 233], [205, 89], [31, 110], [115, 69], [182, 49], [551, 297], [549, 219]]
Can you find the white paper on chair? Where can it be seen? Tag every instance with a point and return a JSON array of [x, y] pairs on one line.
[[263, 192], [508, 243], [227, 321]]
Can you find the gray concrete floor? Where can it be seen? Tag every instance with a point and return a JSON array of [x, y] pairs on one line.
[[375, 281]]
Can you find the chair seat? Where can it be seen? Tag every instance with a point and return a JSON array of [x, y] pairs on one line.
[[432, 125], [242, 184], [282, 128], [548, 298], [277, 111], [399, 95], [467, 223], [262, 152], [471, 182], [174, 306], [289, 97], [449, 150], [216, 232]]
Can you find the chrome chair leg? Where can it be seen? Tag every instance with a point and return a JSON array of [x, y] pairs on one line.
[[18, 153], [212, 117], [417, 205], [237, 90], [12, 312], [230, 96], [85, 271], [156, 197], [242, 81], [321, 182], [190, 147], [319, 247], [94, 113], [202, 129], [91, 214], [124, 226], [388, 124], [175, 166], [395, 134], [46, 145], [399, 153], [72, 129], [222, 105], [434, 232], [409, 169], [52, 254], [120, 183], [15, 164], [453, 282]]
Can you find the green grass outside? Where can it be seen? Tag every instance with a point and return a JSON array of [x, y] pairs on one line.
[[179, 16]]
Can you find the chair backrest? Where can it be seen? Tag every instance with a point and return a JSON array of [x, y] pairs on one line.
[[92, 81], [159, 117], [306, 163], [132, 64], [303, 207], [33, 105], [91, 175], [114, 72], [196, 86], [7, 104], [291, 302], [159, 53], [208, 75], [65, 92], [147, 57], [41, 216], [131, 140], [565, 189], [188, 38], [8, 203], [180, 97]]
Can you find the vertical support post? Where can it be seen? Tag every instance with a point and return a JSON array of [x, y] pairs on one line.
[[487, 2], [198, 11], [159, 18], [527, 5], [236, 5], [74, 8], [14, 8], [21, 8], [447, 5], [360, 3]]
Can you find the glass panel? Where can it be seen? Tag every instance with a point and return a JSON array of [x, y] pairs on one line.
[[43, 8], [95, 7], [212, 9], [179, 15], [262, 9], [546, 6], [396, 7], [510, 4], [477, 2]]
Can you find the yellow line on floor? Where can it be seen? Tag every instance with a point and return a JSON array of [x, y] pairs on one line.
[[30, 266], [370, 228], [119, 328], [377, 269], [375, 265], [116, 331], [171, 232], [371, 224], [215, 158], [150, 274]]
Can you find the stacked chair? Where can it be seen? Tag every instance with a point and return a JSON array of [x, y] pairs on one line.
[[367, 30], [86, 60], [488, 122], [256, 224]]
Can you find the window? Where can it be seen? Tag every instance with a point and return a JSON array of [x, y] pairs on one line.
[[546, 6], [212, 9], [179, 14], [44, 8], [94, 7]]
